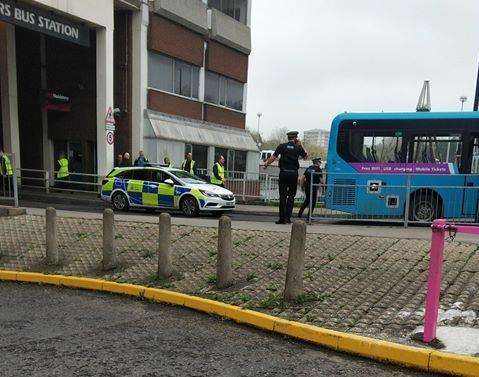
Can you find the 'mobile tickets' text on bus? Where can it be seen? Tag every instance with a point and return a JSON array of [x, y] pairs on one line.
[[414, 166]]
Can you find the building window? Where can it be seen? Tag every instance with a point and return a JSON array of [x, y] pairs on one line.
[[171, 75], [223, 91], [236, 9], [199, 154]]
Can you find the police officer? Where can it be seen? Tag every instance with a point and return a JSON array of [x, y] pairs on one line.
[[218, 174], [189, 164], [6, 169], [290, 153], [314, 171], [63, 173]]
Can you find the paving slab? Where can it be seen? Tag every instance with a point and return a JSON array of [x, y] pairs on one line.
[[361, 284]]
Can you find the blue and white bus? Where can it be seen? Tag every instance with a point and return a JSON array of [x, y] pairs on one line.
[[411, 166]]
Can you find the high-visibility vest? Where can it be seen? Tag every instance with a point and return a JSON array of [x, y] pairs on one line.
[[221, 173], [192, 166], [63, 171], [8, 166]]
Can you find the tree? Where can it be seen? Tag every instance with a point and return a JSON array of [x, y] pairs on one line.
[[257, 137], [315, 151], [278, 136]]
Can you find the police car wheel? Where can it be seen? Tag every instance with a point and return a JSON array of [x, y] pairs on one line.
[[119, 201], [189, 206]]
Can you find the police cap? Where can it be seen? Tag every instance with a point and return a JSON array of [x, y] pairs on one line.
[[292, 134], [316, 160]]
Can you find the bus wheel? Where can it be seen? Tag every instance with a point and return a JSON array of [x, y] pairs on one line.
[[119, 202], [189, 206], [424, 207]]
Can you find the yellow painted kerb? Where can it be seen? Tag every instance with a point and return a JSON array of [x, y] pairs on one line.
[[421, 358]]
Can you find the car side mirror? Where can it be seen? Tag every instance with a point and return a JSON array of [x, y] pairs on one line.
[[169, 181]]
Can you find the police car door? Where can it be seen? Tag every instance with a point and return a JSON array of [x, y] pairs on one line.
[[165, 191], [138, 186]]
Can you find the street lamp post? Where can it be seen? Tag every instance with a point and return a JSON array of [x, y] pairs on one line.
[[462, 99], [259, 117]]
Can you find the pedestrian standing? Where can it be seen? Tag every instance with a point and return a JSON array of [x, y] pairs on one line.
[[289, 154], [119, 160], [314, 172], [141, 160], [167, 163], [125, 162], [218, 172], [189, 164]]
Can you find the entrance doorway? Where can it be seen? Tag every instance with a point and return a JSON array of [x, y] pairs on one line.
[[56, 101]]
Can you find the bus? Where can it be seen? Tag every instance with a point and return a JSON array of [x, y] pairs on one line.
[[404, 166]]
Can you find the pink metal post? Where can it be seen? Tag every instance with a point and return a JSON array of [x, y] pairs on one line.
[[439, 228], [434, 280]]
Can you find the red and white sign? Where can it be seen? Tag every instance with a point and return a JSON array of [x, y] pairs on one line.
[[109, 137], [110, 119]]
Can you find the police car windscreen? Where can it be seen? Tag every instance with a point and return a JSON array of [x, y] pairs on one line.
[[186, 177]]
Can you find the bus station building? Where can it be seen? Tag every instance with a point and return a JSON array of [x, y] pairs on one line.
[[171, 73]]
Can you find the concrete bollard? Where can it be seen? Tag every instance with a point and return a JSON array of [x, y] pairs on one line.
[[109, 250], [294, 274], [164, 246], [224, 275], [53, 255]]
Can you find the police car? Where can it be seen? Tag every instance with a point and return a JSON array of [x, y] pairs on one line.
[[161, 187]]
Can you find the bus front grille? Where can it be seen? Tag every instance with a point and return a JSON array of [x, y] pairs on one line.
[[344, 192]]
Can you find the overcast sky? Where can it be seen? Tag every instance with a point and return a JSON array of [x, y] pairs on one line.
[[313, 59]]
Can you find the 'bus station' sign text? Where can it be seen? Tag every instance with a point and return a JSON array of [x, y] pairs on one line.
[[44, 22]]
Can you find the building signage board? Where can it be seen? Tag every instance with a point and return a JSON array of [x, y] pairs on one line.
[[45, 22], [110, 120]]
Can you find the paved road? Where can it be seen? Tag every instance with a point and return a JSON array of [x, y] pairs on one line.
[[47, 331], [252, 221]]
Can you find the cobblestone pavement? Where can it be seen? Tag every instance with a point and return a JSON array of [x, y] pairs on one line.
[[365, 285]]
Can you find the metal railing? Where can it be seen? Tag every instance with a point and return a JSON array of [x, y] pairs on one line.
[[48, 182], [395, 198], [9, 189], [247, 186]]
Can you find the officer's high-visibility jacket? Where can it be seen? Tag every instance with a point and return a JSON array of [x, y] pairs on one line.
[[192, 166], [6, 166], [221, 174], [63, 171]]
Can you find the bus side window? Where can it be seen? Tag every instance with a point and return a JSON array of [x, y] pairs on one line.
[[437, 149], [475, 157]]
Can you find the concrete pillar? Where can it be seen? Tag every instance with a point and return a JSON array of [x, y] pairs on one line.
[[140, 23], [211, 158], [245, 97], [8, 92], [165, 268], [224, 274], [104, 79], [294, 274], [202, 77], [248, 16], [109, 250], [46, 142], [53, 255]]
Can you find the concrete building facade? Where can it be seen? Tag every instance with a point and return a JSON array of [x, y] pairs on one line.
[[317, 137], [166, 71], [198, 55]]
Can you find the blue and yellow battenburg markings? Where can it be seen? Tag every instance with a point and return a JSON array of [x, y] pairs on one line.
[[150, 193]]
